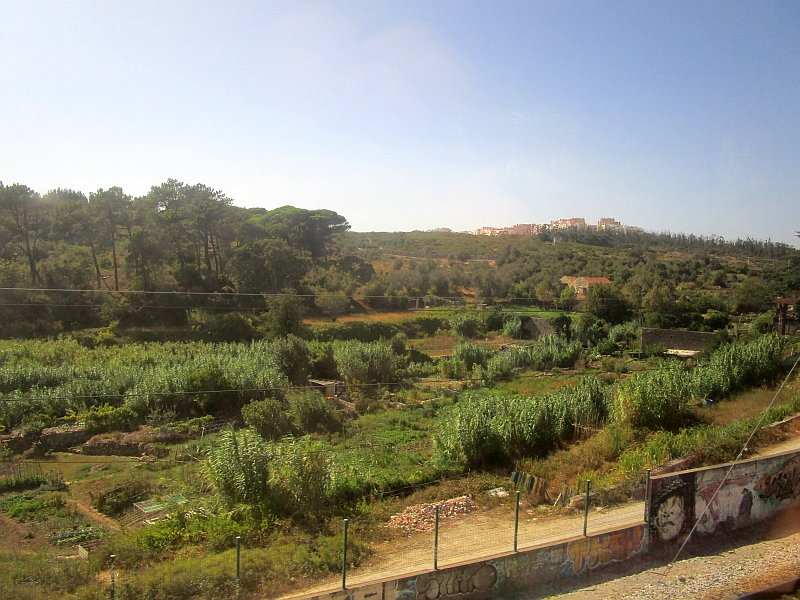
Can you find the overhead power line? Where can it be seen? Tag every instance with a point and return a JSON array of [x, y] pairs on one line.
[[221, 295], [290, 388]]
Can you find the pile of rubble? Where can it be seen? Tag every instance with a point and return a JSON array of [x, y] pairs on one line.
[[422, 517]]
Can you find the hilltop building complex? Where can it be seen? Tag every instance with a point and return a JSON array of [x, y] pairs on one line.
[[604, 224]]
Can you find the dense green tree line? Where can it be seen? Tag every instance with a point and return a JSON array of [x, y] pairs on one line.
[[178, 236], [191, 238]]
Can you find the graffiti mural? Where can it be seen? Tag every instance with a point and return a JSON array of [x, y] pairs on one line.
[[535, 563], [462, 580], [722, 498], [671, 507], [725, 507], [784, 484], [599, 550]]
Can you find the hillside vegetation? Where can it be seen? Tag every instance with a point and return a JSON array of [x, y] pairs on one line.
[[184, 347]]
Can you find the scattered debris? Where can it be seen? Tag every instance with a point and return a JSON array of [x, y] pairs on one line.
[[421, 517], [498, 492], [534, 487]]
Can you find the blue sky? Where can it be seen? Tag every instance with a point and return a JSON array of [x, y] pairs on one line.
[[679, 116]]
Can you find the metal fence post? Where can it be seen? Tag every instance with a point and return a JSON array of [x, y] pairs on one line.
[[113, 590], [436, 539], [516, 523], [586, 508], [647, 496], [238, 565], [344, 557]]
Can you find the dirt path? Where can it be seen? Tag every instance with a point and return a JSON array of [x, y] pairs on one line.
[[88, 511], [485, 533]]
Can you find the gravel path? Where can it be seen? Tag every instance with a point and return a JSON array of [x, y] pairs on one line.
[[723, 572]]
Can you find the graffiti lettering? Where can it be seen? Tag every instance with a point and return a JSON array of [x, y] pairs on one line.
[[462, 580], [784, 483], [602, 549]]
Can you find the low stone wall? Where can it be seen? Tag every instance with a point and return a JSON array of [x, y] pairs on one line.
[[145, 441], [59, 439], [17, 443], [675, 339]]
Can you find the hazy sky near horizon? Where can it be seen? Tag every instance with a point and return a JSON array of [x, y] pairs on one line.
[[679, 116]]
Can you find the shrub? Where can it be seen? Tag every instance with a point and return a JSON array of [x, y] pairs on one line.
[[426, 325], [267, 417], [226, 327], [513, 328], [370, 363], [213, 391], [283, 317], [105, 418], [498, 367], [292, 358], [452, 368], [625, 333], [471, 354], [762, 323], [714, 320], [280, 478], [321, 361], [466, 324], [312, 412]]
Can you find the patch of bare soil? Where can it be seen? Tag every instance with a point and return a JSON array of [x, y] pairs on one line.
[[19, 537], [88, 511]]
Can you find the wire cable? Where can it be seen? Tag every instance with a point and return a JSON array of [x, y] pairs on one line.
[[422, 382], [259, 389]]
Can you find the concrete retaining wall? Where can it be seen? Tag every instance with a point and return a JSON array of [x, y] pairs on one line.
[[755, 490], [570, 559]]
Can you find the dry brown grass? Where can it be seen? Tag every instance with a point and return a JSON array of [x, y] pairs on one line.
[[742, 406], [592, 459]]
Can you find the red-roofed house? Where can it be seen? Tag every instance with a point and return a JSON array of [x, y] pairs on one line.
[[582, 284]]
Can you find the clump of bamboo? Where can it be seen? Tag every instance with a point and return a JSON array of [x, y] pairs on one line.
[[484, 430]]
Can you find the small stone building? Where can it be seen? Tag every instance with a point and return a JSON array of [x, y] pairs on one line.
[[676, 341], [582, 284]]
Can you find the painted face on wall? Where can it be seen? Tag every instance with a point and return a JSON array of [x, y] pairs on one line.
[[670, 518]]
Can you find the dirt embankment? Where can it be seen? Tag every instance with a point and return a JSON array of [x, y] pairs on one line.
[[146, 440]]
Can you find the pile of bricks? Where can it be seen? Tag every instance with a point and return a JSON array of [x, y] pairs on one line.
[[422, 517]]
